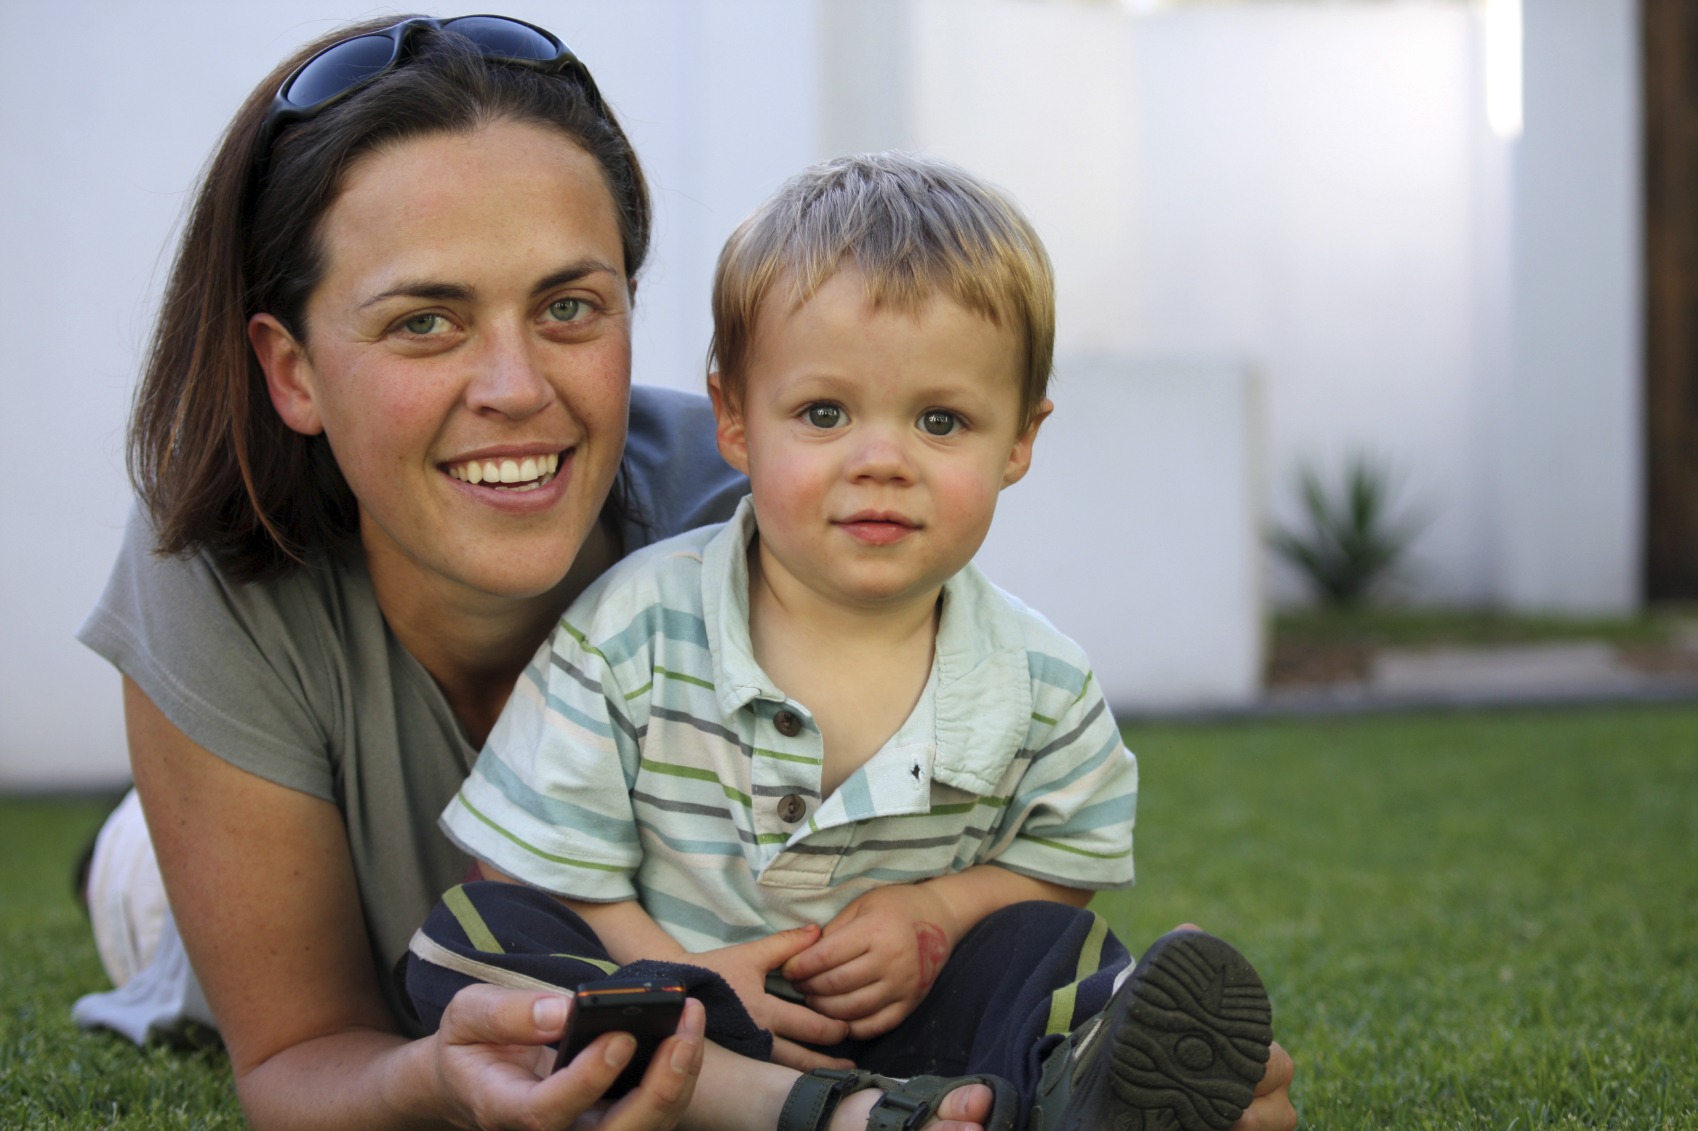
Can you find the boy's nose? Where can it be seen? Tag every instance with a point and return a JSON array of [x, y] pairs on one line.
[[880, 457]]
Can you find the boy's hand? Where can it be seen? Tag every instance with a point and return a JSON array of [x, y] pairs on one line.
[[745, 967], [878, 958]]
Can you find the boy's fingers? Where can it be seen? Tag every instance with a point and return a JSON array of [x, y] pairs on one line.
[[846, 978], [829, 953], [880, 1022], [853, 1007], [800, 1023], [774, 951], [792, 1055]]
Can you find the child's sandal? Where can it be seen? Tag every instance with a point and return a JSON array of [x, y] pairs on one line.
[[1187, 1036], [905, 1106]]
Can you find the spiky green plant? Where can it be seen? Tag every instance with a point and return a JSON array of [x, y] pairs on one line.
[[1353, 542]]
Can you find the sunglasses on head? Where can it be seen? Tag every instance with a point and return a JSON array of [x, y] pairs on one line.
[[344, 67]]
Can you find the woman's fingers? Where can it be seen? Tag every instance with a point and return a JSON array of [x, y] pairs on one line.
[[670, 1081], [792, 1055], [488, 1015]]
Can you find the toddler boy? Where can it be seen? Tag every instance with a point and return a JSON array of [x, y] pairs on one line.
[[823, 713]]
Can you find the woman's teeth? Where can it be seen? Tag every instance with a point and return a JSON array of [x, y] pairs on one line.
[[508, 474]]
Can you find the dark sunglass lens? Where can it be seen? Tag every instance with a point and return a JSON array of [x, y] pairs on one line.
[[503, 38], [340, 67]]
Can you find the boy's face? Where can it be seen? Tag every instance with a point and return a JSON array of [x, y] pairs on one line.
[[876, 441]]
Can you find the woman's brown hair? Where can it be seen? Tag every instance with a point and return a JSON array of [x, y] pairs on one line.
[[213, 464]]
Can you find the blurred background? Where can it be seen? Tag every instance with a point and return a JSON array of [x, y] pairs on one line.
[[1398, 246]]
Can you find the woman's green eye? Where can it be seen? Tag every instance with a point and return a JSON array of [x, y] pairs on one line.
[[938, 422], [421, 324], [825, 415], [567, 309]]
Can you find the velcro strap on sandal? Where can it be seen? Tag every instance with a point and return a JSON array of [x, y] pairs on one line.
[[815, 1096], [898, 1112]]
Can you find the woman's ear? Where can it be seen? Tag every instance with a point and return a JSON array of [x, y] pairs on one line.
[[1020, 459], [733, 441], [288, 374]]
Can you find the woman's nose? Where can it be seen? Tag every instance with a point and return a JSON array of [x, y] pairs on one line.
[[507, 380]]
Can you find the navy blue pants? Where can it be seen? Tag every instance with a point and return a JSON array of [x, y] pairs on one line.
[[1013, 987]]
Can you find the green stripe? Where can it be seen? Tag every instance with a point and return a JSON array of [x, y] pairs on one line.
[[772, 838], [600, 964], [639, 691], [477, 931], [1064, 1000], [1077, 851], [584, 642], [698, 775], [533, 849], [1045, 719], [783, 757], [1089, 676], [681, 677]]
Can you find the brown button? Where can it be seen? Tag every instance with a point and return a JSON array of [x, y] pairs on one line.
[[788, 724], [791, 808]]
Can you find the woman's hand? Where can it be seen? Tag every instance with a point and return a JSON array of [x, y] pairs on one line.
[[493, 1066]]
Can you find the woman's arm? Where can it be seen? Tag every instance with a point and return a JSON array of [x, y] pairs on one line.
[[262, 886]]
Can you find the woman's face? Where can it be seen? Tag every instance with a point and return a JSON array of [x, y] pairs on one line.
[[468, 355]]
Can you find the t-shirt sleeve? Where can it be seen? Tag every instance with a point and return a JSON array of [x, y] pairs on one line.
[[227, 663], [548, 801], [1070, 819]]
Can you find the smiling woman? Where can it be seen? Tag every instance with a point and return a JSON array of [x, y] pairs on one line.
[[385, 436]]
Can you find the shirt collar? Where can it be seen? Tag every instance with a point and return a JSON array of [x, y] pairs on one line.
[[984, 688]]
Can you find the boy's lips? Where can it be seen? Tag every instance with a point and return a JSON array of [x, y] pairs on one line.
[[877, 528]]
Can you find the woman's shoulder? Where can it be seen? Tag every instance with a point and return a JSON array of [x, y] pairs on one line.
[[248, 669], [673, 470]]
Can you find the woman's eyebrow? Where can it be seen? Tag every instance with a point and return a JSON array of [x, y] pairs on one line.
[[571, 273], [422, 288]]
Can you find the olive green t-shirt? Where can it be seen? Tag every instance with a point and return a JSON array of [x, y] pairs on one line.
[[300, 681]]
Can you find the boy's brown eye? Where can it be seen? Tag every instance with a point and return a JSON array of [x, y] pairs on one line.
[[825, 415], [937, 422]]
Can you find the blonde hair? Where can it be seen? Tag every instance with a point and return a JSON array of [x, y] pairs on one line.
[[913, 226]]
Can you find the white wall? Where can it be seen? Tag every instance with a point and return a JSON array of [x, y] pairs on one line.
[[1135, 530], [1571, 486], [720, 97]]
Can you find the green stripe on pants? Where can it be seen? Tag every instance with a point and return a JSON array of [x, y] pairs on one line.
[[1061, 1003]]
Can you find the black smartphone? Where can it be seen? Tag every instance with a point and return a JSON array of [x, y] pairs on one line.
[[647, 1008]]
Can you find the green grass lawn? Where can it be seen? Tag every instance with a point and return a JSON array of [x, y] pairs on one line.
[[1465, 921]]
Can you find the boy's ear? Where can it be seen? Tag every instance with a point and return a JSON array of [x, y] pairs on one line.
[[288, 374], [1020, 459], [728, 427]]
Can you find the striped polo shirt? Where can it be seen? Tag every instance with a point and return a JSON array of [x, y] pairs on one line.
[[644, 754]]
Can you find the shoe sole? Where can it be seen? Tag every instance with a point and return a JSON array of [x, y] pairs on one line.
[[1188, 1038], [1194, 1041]]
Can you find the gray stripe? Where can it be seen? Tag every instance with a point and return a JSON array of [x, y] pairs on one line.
[[783, 791], [679, 806], [577, 674], [1073, 735], [704, 726]]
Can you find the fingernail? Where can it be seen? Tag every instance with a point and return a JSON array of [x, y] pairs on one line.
[[549, 1013], [619, 1049], [682, 1053]]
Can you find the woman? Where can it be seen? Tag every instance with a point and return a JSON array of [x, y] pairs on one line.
[[385, 435]]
